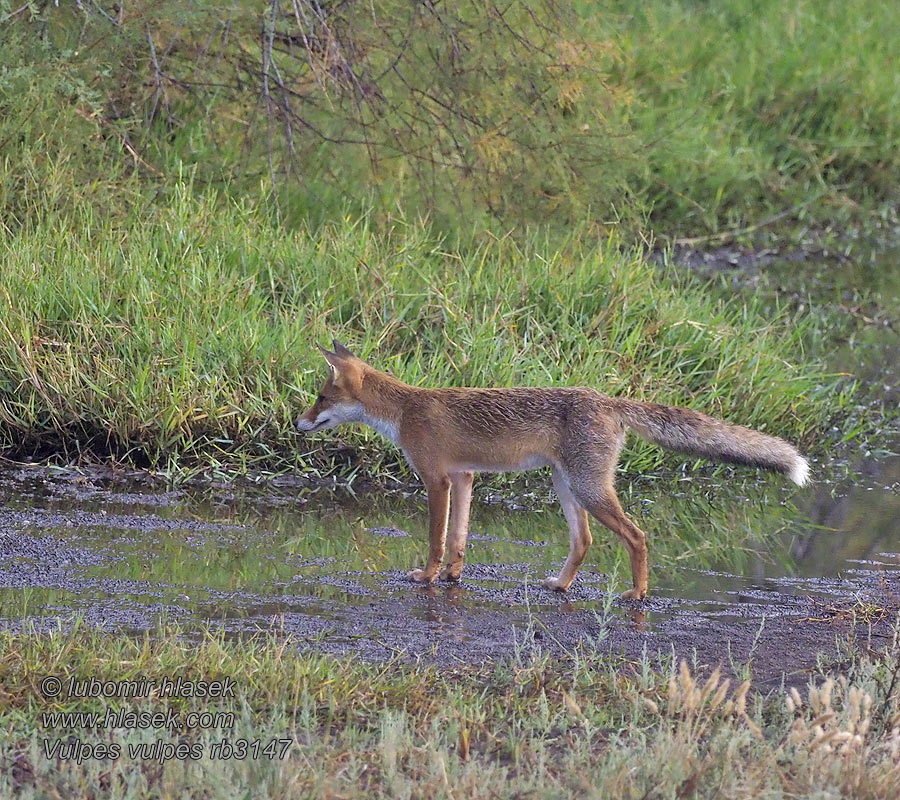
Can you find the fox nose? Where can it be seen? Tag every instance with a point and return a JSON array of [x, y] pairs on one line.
[[308, 425]]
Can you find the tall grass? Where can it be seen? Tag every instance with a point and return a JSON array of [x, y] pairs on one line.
[[186, 335]]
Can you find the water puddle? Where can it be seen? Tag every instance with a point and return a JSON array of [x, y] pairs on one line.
[[332, 574]]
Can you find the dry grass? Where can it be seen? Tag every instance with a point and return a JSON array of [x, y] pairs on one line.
[[533, 727]]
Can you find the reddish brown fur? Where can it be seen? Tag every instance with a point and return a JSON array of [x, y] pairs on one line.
[[448, 434]]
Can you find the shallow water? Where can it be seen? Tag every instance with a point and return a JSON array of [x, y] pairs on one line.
[[121, 556], [727, 553]]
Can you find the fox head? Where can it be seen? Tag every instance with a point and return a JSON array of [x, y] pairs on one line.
[[338, 399]]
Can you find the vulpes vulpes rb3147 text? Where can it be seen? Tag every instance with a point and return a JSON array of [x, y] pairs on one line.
[[447, 435]]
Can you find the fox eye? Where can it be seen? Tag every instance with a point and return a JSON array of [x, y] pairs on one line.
[[321, 398]]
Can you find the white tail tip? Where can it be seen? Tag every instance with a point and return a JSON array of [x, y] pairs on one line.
[[799, 473]]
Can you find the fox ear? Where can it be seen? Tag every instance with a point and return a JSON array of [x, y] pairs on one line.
[[340, 350], [333, 360]]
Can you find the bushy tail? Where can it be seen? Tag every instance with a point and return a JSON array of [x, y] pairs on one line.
[[697, 434]]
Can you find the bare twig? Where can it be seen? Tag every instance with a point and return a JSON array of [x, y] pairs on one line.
[[724, 236], [157, 79], [126, 143], [15, 13]]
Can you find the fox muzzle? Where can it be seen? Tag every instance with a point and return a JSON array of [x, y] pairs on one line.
[[305, 425]]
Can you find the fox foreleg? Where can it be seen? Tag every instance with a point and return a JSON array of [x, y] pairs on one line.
[[438, 508]]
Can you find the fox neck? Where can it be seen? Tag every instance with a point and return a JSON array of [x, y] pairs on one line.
[[381, 398]]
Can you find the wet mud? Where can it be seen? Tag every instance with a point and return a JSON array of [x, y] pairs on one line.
[[331, 576]]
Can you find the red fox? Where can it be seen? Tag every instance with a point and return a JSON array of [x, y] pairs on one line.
[[449, 434]]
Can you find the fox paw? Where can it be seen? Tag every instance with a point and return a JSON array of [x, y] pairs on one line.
[[634, 594], [451, 574], [556, 585], [421, 576]]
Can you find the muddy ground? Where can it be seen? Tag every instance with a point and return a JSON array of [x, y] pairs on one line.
[[123, 556]]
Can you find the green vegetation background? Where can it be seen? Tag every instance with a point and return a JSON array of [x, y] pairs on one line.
[[193, 196]]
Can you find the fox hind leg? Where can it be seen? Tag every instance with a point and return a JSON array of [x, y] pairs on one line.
[[604, 505], [460, 505], [579, 533]]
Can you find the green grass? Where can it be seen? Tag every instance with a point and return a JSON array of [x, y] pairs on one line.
[[534, 726], [185, 336], [747, 109]]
